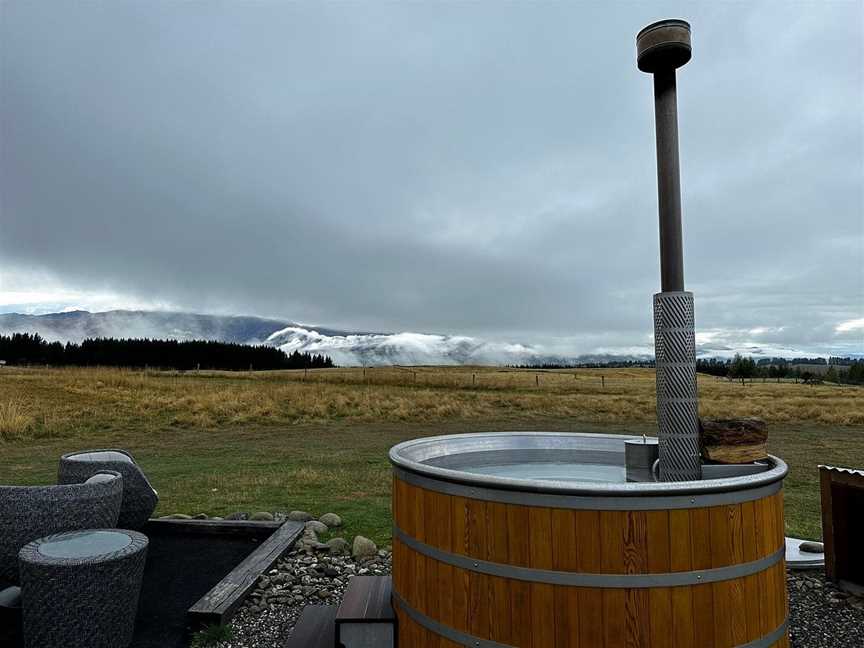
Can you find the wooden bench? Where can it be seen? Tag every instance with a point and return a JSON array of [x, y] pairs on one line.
[[365, 618], [316, 628]]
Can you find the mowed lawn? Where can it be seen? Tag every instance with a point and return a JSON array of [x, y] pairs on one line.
[[218, 442]]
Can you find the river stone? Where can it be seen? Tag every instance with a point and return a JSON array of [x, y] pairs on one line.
[[237, 515], [316, 526], [812, 547], [299, 516], [261, 516], [338, 546], [331, 520], [176, 516], [364, 548], [200, 516]]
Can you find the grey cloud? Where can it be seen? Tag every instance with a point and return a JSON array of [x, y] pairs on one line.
[[476, 168]]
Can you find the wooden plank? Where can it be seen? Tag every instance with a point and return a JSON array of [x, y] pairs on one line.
[[499, 592], [315, 628], [660, 626], [459, 542], [478, 584], [219, 604], [417, 510], [703, 596], [612, 560], [753, 609], [721, 556], [436, 522], [442, 511], [767, 506], [367, 600], [738, 603], [540, 556], [520, 591], [588, 559], [565, 559], [681, 559], [637, 626]]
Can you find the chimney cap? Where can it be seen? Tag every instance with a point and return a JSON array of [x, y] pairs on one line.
[[663, 45]]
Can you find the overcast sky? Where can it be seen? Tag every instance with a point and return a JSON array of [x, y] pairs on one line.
[[484, 168]]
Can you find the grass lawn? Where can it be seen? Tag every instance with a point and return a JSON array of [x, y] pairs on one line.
[[217, 443]]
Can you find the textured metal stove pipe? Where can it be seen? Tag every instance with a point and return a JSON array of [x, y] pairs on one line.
[[662, 47]]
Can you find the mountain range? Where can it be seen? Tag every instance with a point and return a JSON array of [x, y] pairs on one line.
[[346, 348]]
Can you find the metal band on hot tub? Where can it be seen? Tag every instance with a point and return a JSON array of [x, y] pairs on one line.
[[588, 502], [476, 642], [604, 581]]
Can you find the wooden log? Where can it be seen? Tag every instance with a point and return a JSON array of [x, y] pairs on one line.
[[733, 441]]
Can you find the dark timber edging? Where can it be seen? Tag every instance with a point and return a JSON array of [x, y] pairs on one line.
[[244, 528], [219, 604]]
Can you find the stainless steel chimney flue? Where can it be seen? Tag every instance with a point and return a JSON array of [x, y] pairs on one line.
[[661, 48]]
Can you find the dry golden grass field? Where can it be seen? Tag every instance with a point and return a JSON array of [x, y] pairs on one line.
[[217, 441]]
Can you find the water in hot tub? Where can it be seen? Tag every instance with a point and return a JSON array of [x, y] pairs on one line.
[[553, 471]]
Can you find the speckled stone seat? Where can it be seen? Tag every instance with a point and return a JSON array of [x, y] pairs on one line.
[[139, 497], [31, 512]]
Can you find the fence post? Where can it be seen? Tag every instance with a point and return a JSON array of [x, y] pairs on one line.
[[537, 379]]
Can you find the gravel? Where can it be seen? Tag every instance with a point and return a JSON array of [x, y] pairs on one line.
[[301, 577], [821, 616]]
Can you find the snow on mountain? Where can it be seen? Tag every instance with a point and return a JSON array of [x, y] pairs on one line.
[[402, 348]]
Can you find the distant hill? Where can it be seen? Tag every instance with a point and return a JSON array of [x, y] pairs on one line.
[[346, 348], [75, 326]]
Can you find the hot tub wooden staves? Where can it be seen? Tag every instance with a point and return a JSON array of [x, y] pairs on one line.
[[490, 568]]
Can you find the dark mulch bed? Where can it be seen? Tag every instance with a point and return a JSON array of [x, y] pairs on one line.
[[180, 569]]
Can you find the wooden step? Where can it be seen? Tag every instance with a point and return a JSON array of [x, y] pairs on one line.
[[315, 628], [365, 618]]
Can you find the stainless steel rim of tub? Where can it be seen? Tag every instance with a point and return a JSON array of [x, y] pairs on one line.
[[413, 456]]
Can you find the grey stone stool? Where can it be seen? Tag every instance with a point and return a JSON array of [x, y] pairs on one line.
[[80, 589]]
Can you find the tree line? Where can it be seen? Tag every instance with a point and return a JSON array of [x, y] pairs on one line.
[[840, 370], [32, 348]]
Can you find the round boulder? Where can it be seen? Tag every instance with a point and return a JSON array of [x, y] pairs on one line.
[[338, 546], [316, 526], [364, 548], [299, 516], [331, 520], [261, 516], [812, 547]]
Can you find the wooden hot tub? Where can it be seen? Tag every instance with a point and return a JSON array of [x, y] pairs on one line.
[[486, 556]]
